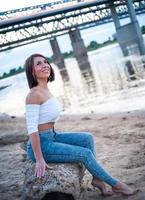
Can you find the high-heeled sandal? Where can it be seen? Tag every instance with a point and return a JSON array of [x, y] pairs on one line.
[[104, 192], [121, 191]]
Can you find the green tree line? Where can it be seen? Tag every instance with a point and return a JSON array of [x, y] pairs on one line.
[[12, 72]]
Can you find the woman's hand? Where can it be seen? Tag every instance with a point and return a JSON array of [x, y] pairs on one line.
[[40, 167]]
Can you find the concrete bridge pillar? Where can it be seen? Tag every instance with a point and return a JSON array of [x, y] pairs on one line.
[[81, 56], [139, 38], [80, 51], [58, 59], [129, 36]]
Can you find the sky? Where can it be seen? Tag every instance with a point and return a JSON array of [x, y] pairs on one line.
[[14, 4]]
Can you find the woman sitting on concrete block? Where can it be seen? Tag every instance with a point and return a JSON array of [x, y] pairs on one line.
[[46, 145]]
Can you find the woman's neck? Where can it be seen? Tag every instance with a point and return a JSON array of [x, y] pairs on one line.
[[43, 84]]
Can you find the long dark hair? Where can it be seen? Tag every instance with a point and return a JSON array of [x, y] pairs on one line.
[[28, 66]]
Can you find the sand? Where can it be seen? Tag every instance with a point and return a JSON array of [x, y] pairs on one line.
[[120, 146]]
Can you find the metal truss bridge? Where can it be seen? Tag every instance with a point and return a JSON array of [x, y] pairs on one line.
[[28, 25]]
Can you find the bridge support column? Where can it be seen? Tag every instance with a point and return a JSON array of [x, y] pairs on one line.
[[129, 35], [81, 56], [58, 59], [137, 32]]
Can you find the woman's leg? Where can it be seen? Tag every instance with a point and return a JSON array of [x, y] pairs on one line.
[[83, 139], [65, 153]]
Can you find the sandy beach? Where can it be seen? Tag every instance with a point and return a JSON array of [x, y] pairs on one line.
[[120, 146]]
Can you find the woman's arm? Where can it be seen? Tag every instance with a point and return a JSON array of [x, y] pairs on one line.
[[35, 140], [32, 117], [41, 165]]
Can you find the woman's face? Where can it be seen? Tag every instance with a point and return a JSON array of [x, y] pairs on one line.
[[41, 68]]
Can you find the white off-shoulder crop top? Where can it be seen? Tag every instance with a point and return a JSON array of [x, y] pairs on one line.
[[36, 114]]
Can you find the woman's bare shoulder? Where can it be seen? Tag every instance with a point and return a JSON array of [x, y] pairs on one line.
[[33, 97]]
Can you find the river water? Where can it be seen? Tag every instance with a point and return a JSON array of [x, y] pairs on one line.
[[110, 89]]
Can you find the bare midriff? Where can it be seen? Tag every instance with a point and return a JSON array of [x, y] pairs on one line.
[[46, 126]]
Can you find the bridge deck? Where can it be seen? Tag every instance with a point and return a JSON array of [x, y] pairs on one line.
[[46, 13]]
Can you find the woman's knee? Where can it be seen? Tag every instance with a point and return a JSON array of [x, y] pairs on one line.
[[87, 154], [87, 159], [90, 137]]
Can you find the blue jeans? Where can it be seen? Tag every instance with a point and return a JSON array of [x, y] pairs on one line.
[[71, 147]]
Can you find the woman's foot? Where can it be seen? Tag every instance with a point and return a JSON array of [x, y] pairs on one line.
[[102, 187], [124, 189]]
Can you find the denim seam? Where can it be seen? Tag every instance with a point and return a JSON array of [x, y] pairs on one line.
[[63, 155]]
